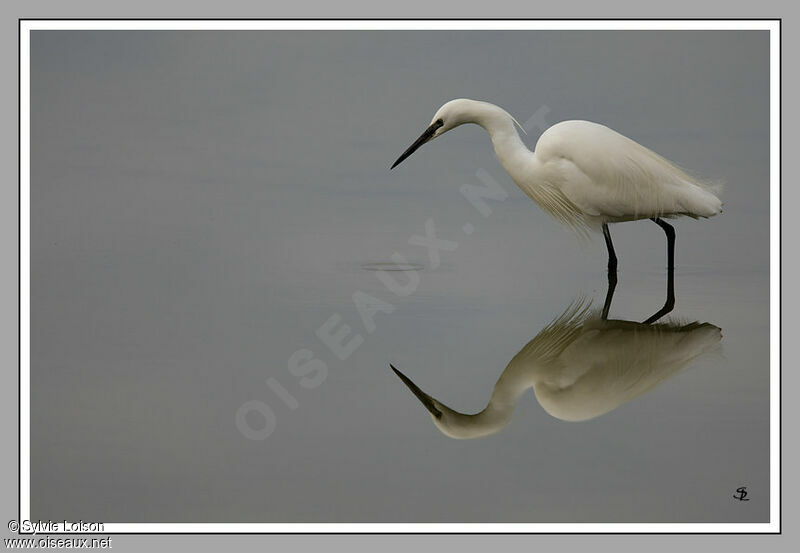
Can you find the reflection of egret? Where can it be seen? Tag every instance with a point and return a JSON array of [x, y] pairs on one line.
[[580, 367], [584, 174]]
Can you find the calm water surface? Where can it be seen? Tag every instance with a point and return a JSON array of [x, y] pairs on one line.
[[203, 203]]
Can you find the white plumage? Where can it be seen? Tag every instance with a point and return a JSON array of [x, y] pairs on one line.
[[611, 178], [580, 367], [584, 174]]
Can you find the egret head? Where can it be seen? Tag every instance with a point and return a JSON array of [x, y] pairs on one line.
[[451, 423], [448, 117]]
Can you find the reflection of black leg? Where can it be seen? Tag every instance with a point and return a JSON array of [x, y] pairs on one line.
[[612, 257], [670, 303], [612, 272], [612, 284]]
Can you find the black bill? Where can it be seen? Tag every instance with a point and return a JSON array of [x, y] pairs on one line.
[[426, 400], [425, 137]]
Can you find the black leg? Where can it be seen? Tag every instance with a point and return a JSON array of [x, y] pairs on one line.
[[670, 303], [612, 284], [612, 272], [669, 230], [612, 257]]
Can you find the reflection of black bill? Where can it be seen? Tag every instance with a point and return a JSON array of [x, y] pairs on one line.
[[426, 400], [424, 137]]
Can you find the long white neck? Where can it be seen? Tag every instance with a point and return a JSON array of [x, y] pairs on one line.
[[509, 147], [511, 385], [524, 167]]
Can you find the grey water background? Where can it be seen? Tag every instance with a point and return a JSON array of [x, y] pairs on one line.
[[203, 202]]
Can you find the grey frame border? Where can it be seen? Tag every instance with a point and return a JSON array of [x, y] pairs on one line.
[[779, 20]]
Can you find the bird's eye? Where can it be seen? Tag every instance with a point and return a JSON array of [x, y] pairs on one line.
[[439, 122]]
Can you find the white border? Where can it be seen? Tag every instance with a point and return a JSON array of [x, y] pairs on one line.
[[775, 41]]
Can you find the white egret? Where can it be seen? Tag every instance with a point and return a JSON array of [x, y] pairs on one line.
[[580, 366], [584, 174]]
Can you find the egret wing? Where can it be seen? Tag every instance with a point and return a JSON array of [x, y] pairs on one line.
[[609, 176]]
